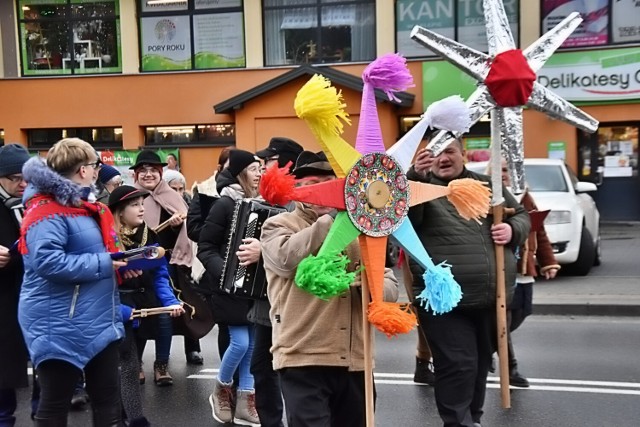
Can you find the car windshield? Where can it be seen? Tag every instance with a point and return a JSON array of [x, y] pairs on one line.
[[545, 178]]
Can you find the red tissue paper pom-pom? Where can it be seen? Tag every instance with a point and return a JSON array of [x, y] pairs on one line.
[[277, 185]]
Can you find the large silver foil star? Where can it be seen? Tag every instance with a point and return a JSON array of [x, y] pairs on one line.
[[508, 119]]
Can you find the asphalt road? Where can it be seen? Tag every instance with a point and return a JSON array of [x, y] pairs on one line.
[[583, 371]]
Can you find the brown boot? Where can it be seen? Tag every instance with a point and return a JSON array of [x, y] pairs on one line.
[[161, 374], [246, 413], [221, 401]]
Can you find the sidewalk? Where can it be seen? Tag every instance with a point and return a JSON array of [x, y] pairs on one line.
[[612, 289]]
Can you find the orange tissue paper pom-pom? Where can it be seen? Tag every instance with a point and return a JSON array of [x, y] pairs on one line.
[[277, 185], [391, 318]]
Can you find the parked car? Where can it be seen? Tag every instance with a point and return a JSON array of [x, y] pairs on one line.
[[573, 223]]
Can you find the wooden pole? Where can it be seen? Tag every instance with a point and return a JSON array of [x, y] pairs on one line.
[[501, 315], [368, 353]]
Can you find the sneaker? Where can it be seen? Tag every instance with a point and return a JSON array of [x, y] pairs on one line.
[[246, 413], [517, 380], [424, 373], [221, 401], [79, 398], [161, 374], [194, 358]]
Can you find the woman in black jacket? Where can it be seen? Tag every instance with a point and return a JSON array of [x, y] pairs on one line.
[[240, 180]]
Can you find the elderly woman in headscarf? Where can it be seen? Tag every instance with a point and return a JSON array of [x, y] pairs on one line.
[[163, 206], [178, 182]]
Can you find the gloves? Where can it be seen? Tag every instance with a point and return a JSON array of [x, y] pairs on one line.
[[126, 313]]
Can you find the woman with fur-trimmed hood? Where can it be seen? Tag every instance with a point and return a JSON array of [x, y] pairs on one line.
[[69, 308]]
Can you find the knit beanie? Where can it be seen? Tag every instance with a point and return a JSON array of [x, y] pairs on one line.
[[106, 173], [12, 157], [239, 160]]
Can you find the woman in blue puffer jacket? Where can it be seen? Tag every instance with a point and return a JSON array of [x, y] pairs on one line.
[[69, 307]]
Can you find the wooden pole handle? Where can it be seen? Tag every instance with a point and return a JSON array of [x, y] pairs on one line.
[[368, 353], [501, 314]]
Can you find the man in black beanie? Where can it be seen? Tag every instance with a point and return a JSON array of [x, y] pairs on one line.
[[14, 355]]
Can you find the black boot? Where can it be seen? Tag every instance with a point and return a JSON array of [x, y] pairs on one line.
[[516, 379], [108, 417], [54, 421], [424, 372], [140, 422]]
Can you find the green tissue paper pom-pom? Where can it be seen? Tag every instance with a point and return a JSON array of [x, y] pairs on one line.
[[324, 276]]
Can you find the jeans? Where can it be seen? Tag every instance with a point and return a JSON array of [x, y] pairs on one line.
[[58, 379], [8, 405], [238, 357], [163, 339]]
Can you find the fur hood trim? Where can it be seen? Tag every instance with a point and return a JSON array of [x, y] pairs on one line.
[[208, 186], [44, 180]]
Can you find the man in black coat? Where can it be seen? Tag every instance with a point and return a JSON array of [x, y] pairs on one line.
[[14, 355], [462, 340]]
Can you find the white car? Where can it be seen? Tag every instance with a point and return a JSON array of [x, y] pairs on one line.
[[573, 223]]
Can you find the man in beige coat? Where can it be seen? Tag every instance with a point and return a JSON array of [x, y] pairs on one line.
[[318, 348]]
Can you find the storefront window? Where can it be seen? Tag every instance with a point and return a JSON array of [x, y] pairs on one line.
[[69, 37], [605, 22], [196, 135], [461, 20], [618, 151], [191, 35], [99, 137], [317, 31]]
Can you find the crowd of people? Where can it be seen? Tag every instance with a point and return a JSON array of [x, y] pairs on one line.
[[71, 308]]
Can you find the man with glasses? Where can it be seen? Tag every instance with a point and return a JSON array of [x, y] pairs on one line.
[[14, 355], [109, 178]]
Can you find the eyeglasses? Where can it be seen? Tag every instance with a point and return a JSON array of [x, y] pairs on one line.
[[96, 165], [15, 178], [117, 183], [148, 171]]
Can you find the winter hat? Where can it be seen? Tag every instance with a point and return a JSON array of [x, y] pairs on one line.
[[124, 193], [106, 173], [12, 157], [286, 149], [148, 157], [312, 164], [239, 160], [170, 175]]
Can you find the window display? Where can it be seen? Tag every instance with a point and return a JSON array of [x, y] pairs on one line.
[[69, 37], [315, 31], [197, 34]]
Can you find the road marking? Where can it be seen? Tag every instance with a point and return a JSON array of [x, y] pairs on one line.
[[541, 384]]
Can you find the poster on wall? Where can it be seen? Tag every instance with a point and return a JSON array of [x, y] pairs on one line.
[[478, 149], [593, 31], [557, 150], [436, 15], [124, 159], [625, 21], [219, 40], [593, 75], [165, 43], [471, 24]]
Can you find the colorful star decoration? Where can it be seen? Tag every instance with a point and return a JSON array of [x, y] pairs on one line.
[[507, 81], [373, 194]]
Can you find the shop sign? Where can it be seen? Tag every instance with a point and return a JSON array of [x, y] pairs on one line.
[[166, 43], [124, 159], [600, 75], [557, 150]]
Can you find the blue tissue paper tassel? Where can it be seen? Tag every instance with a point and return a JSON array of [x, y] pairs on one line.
[[441, 293]]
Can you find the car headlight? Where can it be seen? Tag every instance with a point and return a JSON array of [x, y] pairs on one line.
[[558, 217]]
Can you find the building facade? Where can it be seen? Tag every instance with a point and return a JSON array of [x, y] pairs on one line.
[[198, 75]]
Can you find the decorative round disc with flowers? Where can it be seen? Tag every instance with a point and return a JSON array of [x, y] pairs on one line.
[[372, 193], [377, 194]]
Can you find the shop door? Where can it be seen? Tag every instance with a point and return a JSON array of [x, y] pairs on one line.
[[610, 159]]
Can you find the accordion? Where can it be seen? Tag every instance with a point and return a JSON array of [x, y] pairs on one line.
[[246, 281]]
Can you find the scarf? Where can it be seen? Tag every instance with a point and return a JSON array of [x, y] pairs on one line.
[[43, 206], [165, 197], [234, 191], [14, 204]]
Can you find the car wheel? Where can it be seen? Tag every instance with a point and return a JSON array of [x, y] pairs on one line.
[[586, 256], [597, 260]]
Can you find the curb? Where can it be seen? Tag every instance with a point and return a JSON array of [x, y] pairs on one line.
[[587, 310]]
